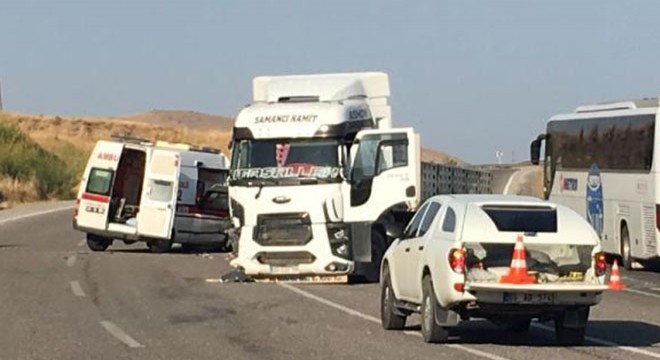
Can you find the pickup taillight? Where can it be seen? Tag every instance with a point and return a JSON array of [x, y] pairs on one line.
[[76, 206], [600, 263], [457, 260]]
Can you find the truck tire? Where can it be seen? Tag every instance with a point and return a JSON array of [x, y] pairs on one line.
[[568, 336], [98, 243], [159, 246], [431, 331], [378, 248], [626, 258], [389, 317], [519, 326]]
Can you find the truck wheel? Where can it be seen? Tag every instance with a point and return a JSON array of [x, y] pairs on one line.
[[159, 246], [626, 258], [519, 326], [378, 247], [389, 317], [431, 331], [98, 243], [568, 336]]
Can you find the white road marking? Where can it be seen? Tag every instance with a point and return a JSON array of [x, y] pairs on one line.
[[655, 289], [21, 217], [508, 182], [117, 332], [376, 320], [640, 292], [607, 343], [77, 289], [71, 260]]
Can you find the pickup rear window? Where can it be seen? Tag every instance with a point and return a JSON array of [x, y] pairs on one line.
[[523, 219]]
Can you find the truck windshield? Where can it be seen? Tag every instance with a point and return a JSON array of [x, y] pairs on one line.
[[273, 159]]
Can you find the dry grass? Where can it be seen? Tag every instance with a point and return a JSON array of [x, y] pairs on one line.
[[13, 192], [51, 132]]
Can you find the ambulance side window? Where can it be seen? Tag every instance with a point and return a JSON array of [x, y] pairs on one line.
[[100, 181]]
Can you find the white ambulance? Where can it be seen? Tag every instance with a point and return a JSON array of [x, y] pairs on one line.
[[135, 190]]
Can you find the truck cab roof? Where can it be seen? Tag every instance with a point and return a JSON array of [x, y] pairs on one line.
[[315, 105]]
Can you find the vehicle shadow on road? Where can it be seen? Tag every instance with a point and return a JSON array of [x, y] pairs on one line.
[[625, 332], [603, 332], [201, 250]]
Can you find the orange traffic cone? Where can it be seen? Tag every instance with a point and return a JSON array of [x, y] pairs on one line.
[[615, 279], [518, 270]]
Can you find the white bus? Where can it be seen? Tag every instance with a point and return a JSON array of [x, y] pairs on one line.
[[602, 162]]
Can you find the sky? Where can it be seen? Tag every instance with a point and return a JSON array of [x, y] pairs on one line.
[[473, 77]]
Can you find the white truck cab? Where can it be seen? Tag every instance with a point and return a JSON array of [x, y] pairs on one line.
[[134, 190], [318, 176]]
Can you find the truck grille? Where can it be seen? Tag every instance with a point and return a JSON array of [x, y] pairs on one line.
[[285, 258], [283, 229]]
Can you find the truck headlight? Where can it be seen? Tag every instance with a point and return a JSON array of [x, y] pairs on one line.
[[339, 237], [237, 210]]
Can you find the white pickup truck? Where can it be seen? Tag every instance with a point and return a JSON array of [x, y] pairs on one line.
[[452, 260]]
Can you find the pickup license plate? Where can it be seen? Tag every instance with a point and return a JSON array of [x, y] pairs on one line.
[[284, 270], [528, 298]]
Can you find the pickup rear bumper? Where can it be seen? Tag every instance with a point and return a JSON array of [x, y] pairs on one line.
[[533, 298]]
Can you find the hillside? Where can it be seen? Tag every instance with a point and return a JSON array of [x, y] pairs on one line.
[[439, 157]]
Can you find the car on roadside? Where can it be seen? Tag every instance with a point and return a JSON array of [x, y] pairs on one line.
[[455, 261], [207, 223]]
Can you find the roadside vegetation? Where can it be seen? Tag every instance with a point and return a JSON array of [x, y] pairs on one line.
[[30, 173], [43, 157]]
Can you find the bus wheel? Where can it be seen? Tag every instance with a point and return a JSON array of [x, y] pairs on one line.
[[626, 259]]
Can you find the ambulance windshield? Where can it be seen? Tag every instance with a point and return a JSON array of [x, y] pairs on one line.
[[274, 159]]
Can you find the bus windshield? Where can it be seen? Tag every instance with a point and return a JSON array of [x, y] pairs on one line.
[[273, 159]]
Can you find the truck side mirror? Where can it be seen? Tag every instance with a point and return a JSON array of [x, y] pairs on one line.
[[394, 230]]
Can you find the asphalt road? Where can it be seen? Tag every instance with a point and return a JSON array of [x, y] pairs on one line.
[[61, 301]]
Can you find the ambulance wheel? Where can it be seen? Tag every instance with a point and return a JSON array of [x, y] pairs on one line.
[[98, 243], [159, 246]]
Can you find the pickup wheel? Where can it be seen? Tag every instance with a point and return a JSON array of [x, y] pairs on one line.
[[568, 336], [431, 331], [98, 243], [389, 318]]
